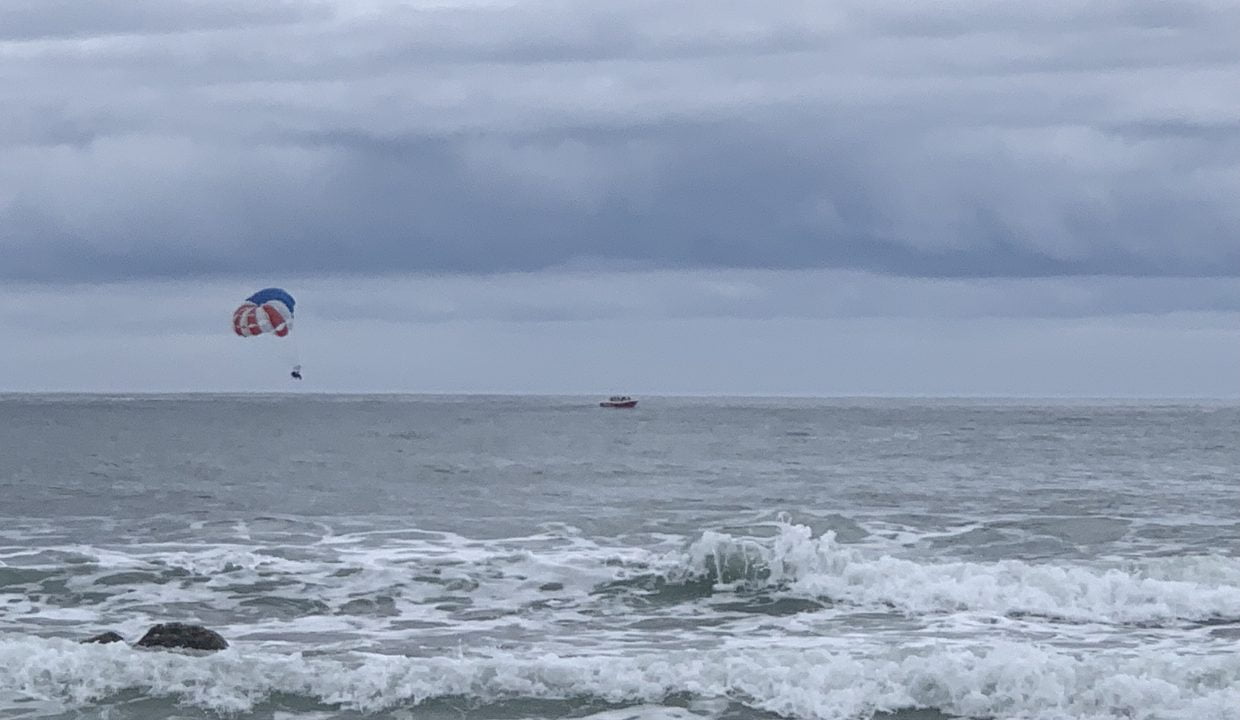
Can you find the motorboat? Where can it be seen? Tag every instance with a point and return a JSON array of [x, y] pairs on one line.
[[618, 401]]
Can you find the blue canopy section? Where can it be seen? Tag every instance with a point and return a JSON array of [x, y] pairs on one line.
[[269, 294]]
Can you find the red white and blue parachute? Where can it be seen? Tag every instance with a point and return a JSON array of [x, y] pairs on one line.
[[266, 311]]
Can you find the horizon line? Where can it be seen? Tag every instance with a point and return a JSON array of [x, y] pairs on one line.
[[4, 394]]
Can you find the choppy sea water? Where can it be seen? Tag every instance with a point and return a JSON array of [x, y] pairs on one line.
[[519, 558]]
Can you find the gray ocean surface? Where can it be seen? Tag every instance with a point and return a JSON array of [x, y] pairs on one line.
[[517, 558]]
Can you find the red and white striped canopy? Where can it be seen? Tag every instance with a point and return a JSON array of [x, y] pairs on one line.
[[270, 317]]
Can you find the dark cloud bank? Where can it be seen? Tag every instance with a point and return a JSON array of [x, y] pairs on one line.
[[953, 139]]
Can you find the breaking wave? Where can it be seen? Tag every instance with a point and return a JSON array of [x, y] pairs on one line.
[[1202, 588], [1003, 680]]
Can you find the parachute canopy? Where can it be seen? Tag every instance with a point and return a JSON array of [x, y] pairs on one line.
[[266, 311]]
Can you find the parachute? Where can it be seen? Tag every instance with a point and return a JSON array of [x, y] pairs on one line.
[[267, 312]]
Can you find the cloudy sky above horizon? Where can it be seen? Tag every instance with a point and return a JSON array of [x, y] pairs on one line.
[[848, 197]]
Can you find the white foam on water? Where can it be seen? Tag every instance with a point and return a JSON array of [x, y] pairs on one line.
[[1193, 588], [372, 620], [414, 591], [363, 585], [1000, 680], [653, 712]]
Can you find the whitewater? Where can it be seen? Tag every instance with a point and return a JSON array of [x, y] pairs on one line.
[[691, 559]]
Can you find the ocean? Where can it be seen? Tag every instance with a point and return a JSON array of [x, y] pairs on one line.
[[520, 558]]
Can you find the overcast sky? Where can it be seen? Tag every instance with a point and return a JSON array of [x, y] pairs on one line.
[[701, 196]]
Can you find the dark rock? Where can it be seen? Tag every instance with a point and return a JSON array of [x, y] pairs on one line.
[[104, 638], [180, 635]]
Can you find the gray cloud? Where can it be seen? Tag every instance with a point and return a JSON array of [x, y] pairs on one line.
[[593, 295], [25, 20], [589, 331], [969, 138]]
